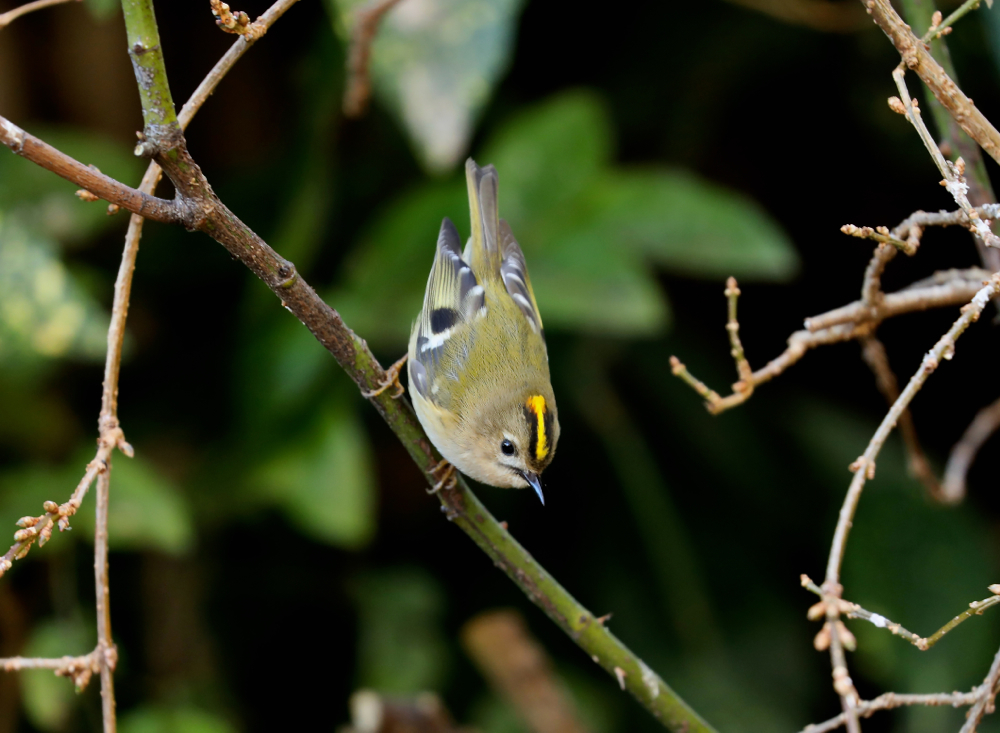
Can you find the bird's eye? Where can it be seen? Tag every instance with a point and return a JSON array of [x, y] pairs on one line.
[[508, 448]]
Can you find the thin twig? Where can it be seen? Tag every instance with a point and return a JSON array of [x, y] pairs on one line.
[[890, 700], [11, 15], [954, 142], [853, 610], [38, 152], [953, 173], [943, 28], [107, 652], [986, 695], [79, 669], [846, 323], [864, 466], [359, 86], [963, 453], [875, 356], [954, 287], [917, 58]]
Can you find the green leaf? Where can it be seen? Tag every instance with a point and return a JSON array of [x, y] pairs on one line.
[[583, 284], [690, 226], [146, 510], [548, 155], [434, 64], [49, 700], [102, 8], [324, 482], [183, 719], [43, 311], [402, 648]]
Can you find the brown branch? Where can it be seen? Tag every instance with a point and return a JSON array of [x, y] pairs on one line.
[[875, 356], [936, 293], [38, 152], [853, 610], [917, 58], [964, 451], [986, 696], [518, 668], [953, 173], [79, 669], [11, 15], [359, 87], [890, 700], [846, 323], [864, 468]]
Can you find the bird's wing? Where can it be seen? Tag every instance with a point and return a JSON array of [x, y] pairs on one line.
[[452, 299], [514, 273]]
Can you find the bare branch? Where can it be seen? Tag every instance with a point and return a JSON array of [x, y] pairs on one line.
[[953, 173], [891, 700], [864, 466], [916, 57], [11, 15], [846, 323], [875, 356], [853, 610], [79, 669], [964, 451], [986, 695], [38, 152], [366, 22]]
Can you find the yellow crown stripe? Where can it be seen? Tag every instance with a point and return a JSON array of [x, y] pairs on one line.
[[536, 403]]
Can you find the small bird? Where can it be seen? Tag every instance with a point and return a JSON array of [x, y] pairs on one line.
[[478, 366]]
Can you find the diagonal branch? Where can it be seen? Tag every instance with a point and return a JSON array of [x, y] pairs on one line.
[[916, 57], [208, 214], [41, 153]]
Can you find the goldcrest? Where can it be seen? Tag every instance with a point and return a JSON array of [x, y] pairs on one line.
[[478, 366]]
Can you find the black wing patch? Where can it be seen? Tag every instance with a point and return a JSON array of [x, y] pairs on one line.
[[442, 319]]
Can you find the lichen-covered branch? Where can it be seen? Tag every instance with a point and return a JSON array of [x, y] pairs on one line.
[[918, 58]]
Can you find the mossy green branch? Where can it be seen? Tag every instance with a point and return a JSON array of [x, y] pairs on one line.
[[205, 212], [146, 53]]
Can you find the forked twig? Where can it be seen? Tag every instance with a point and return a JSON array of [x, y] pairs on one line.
[[874, 354]]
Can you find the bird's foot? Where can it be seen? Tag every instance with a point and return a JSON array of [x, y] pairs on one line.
[[391, 380], [445, 473]]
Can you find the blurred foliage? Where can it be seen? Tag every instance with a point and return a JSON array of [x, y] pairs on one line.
[[265, 497], [48, 700], [566, 204], [434, 64]]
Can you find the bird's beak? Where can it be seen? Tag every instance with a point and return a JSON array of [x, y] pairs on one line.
[[534, 482]]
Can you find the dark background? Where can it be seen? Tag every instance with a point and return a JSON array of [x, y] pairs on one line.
[[255, 622]]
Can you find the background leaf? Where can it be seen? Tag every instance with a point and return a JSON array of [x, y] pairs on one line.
[[49, 700], [324, 480], [434, 64]]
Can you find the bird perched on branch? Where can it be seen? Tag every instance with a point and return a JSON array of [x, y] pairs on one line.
[[478, 366]]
